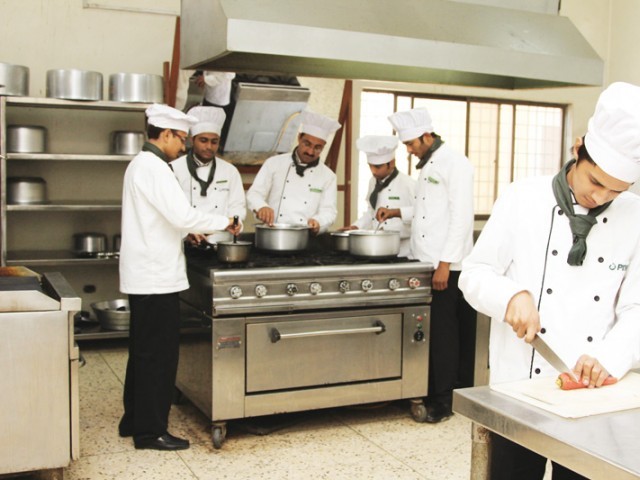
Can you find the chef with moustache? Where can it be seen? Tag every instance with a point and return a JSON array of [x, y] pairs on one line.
[[297, 188]]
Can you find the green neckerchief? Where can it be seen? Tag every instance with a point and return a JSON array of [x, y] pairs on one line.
[[373, 198], [150, 147], [580, 224], [191, 165], [300, 166], [437, 142]]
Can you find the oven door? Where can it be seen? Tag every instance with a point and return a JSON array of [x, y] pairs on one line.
[[305, 352]]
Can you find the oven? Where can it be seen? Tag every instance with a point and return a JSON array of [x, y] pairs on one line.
[[300, 332]]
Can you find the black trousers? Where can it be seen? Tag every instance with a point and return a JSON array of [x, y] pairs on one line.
[[154, 339], [452, 345], [510, 461]]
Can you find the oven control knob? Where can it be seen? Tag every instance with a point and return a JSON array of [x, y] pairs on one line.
[[261, 290], [291, 289], [366, 285], [394, 284], [418, 336], [414, 282], [235, 291], [344, 286], [315, 288]]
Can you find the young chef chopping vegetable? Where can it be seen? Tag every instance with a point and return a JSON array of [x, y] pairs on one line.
[[560, 258], [155, 217], [388, 189], [296, 188], [211, 184]]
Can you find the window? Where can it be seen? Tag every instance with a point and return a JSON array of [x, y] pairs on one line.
[[504, 140]]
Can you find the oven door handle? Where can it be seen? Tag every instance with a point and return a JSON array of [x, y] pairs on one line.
[[377, 328]]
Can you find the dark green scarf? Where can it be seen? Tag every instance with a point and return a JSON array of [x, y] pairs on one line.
[[301, 167], [580, 224], [150, 147], [437, 143], [373, 198], [192, 166]]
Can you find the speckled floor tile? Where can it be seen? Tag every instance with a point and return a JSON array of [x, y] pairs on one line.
[[100, 402], [117, 361], [99, 435]]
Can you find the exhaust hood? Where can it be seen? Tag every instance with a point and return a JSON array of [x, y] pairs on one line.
[[418, 41]]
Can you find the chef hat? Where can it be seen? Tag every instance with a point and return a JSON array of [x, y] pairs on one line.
[[411, 124], [162, 116], [210, 120], [613, 134], [380, 149], [317, 125]]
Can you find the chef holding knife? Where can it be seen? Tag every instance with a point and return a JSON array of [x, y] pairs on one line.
[[559, 258], [296, 188]]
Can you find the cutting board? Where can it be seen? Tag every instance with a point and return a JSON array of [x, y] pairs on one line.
[[544, 393]]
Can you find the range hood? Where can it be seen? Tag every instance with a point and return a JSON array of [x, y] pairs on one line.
[[418, 41]]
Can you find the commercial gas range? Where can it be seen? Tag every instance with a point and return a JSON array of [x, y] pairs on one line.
[[316, 329]]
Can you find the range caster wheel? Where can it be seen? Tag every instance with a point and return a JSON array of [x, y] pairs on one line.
[[218, 434], [418, 412]]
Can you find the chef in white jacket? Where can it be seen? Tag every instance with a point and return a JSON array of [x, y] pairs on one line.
[[211, 184], [389, 188], [442, 235], [296, 188], [560, 257], [155, 217]]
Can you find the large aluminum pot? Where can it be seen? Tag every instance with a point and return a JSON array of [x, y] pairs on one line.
[[136, 87], [26, 190], [113, 314], [14, 80], [374, 243], [74, 84], [26, 139], [340, 241], [89, 243], [233, 252], [126, 143], [282, 237]]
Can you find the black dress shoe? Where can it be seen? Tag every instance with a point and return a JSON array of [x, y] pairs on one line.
[[163, 442], [438, 412]]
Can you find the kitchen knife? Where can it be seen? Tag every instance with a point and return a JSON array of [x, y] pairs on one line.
[[552, 357]]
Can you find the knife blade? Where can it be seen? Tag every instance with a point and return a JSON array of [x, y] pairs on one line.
[[552, 357]]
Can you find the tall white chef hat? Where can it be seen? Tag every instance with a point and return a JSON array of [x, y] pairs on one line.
[[411, 124], [613, 134], [163, 116], [380, 149], [210, 120], [317, 125]]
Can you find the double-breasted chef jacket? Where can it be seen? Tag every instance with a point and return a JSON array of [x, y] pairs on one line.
[[295, 199], [592, 309], [225, 195], [442, 226], [400, 194], [155, 217]]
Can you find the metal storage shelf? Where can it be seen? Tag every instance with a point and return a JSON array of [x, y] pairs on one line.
[[68, 157], [71, 104], [33, 258], [67, 206]]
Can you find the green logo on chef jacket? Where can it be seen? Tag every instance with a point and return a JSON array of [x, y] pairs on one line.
[[315, 190], [432, 180], [221, 181], [618, 267], [394, 198]]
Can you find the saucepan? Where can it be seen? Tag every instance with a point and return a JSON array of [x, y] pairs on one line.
[[26, 139], [26, 190], [74, 84], [374, 243], [126, 143], [14, 80], [340, 241], [136, 87], [282, 237]]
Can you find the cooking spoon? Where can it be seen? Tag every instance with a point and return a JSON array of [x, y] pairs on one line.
[[235, 224]]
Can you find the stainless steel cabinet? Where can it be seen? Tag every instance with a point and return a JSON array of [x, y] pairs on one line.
[[84, 185]]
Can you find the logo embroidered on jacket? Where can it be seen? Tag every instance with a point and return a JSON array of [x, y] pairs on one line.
[[618, 266], [315, 190], [221, 181], [432, 180], [394, 198]]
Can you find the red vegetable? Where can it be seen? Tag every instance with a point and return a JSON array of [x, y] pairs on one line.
[[565, 382]]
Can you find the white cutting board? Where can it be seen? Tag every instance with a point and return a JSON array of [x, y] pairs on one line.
[[544, 393]]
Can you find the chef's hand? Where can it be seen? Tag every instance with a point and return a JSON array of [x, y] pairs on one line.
[[383, 214], [523, 316], [266, 215], [234, 229], [346, 229], [440, 279], [314, 225], [195, 239], [590, 371]]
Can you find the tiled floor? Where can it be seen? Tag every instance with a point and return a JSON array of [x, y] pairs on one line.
[[367, 442]]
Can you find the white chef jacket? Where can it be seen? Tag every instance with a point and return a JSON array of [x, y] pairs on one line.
[[400, 193], [442, 228], [225, 195], [295, 199], [592, 309], [155, 217]]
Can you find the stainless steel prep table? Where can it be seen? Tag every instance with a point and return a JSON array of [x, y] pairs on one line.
[[603, 446]]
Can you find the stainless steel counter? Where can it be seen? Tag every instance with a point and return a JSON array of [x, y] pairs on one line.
[[599, 447]]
